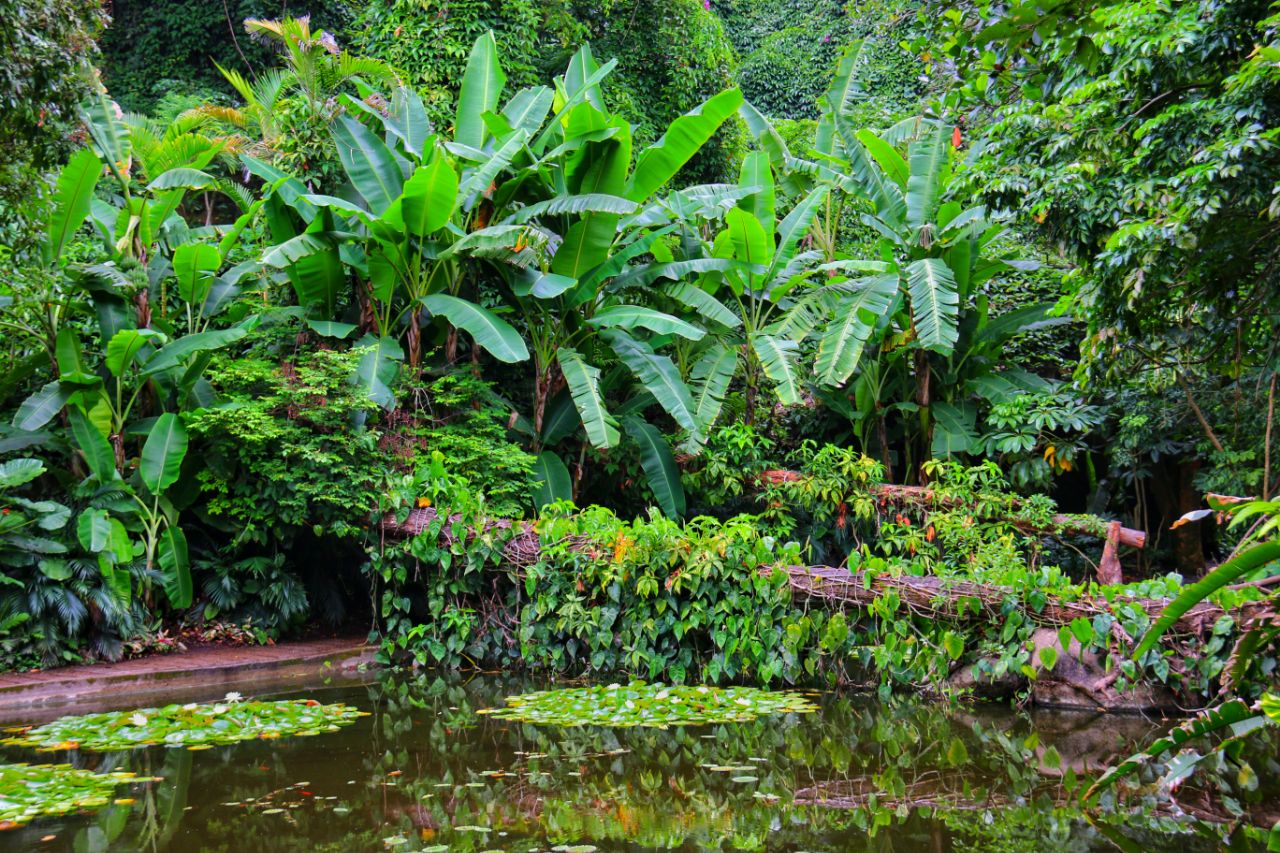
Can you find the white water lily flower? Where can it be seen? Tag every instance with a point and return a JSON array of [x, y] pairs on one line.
[[233, 697], [219, 709], [190, 706], [138, 720]]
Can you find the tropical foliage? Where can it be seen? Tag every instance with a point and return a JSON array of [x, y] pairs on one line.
[[562, 335]]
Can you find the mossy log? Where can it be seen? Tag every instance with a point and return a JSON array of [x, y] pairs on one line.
[[929, 596], [961, 600], [1089, 525]]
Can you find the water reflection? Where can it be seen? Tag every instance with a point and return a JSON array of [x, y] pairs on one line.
[[425, 772]]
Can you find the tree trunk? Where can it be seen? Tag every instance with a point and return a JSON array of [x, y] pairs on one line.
[[882, 433], [451, 346], [924, 374], [541, 391], [415, 339]]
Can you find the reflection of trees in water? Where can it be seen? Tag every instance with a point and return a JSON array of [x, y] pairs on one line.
[[860, 774]]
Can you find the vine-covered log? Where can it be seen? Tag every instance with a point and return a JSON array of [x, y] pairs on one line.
[[959, 599], [928, 596], [1088, 525]]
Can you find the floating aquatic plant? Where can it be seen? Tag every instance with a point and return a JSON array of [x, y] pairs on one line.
[[29, 791], [651, 705], [192, 725]]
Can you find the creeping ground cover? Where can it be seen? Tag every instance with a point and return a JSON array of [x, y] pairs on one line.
[[649, 705], [28, 791], [192, 725]]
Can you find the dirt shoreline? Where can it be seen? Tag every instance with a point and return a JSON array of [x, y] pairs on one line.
[[204, 672]]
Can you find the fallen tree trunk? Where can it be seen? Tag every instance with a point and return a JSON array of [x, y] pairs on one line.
[[1088, 525], [928, 596], [966, 600]]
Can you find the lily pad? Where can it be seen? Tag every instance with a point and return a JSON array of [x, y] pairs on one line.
[[225, 722], [650, 705], [28, 791]]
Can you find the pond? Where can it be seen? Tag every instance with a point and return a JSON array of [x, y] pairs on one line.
[[425, 771]]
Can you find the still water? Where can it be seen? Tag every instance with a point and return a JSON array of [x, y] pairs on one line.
[[424, 772]]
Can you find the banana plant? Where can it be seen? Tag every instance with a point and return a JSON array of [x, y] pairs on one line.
[[536, 192], [759, 287], [918, 308]]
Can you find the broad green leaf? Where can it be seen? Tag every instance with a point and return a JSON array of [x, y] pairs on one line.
[[704, 303], [929, 164], [377, 369], [481, 90], [489, 330], [528, 108], [430, 197], [476, 182], [893, 163], [711, 375], [93, 529], [856, 317], [762, 204], [182, 177], [778, 359], [291, 251], [124, 346], [560, 420], [369, 164], [331, 328], [76, 183], [584, 384], [954, 429], [658, 374], [659, 163], [580, 77], [845, 89], [764, 133], [646, 274], [1252, 559], [935, 305], [793, 228], [408, 120], [1000, 329], [41, 407], [551, 480], [660, 469], [162, 453], [575, 204], [601, 171], [19, 472], [175, 567], [194, 264], [173, 354], [637, 317], [751, 245], [97, 450], [540, 285]]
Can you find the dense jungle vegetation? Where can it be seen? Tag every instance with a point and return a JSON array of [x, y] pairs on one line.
[[621, 308]]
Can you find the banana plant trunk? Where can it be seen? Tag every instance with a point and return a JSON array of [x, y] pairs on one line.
[[451, 346], [923, 375], [541, 391], [415, 340]]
